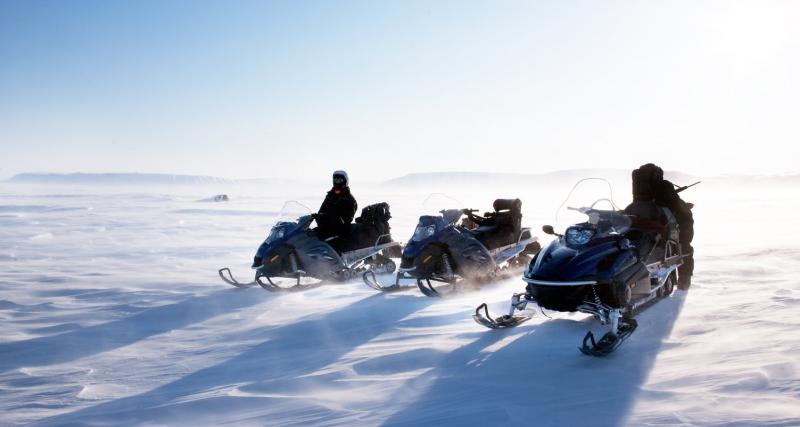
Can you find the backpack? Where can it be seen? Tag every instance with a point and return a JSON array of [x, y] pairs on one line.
[[376, 213]]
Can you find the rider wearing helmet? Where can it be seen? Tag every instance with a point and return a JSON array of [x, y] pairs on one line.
[[337, 211]]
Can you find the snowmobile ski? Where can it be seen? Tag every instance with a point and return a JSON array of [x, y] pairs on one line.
[[610, 341], [232, 281], [372, 282], [501, 322], [273, 287], [428, 290]]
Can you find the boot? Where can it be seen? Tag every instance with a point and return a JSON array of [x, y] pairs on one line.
[[684, 281]]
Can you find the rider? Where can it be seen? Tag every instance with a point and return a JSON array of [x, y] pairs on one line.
[[649, 184], [337, 211]]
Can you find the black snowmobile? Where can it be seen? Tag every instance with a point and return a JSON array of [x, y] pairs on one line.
[[480, 249], [293, 250], [611, 266]]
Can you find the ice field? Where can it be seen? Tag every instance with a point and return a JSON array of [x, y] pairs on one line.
[[112, 313]]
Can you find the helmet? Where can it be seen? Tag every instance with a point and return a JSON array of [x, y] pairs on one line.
[[340, 179], [655, 172], [646, 181]]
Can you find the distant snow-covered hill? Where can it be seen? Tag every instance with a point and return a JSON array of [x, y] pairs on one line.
[[482, 179], [413, 180], [115, 178], [137, 179]]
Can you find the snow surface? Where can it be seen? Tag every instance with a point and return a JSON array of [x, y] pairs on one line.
[[112, 314]]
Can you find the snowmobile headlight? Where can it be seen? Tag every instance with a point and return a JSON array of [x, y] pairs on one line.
[[579, 236], [422, 232]]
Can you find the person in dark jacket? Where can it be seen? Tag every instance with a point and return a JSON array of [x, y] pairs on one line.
[[649, 184], [337, 211]]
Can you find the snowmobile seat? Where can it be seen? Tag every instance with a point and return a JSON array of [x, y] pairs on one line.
[[646, 215], [511, 205], [360, 236], [501, 227], [651, 226], [644, 241]]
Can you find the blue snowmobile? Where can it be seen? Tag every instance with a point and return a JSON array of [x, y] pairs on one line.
[[293, 250], [478, 250], [611, 266]]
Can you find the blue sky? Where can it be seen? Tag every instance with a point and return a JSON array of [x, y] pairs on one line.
[[266, 89]]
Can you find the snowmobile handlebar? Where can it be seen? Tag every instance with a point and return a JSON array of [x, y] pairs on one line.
[[581, 210], [686, 187]]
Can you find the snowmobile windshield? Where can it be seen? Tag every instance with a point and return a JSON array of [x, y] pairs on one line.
[[592, 198], [294, 213], [439, 210], [440, 204]]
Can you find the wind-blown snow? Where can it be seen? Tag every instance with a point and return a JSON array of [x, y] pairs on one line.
[[112, 314]]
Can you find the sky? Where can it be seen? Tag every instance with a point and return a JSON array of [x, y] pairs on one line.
[[297, 89]]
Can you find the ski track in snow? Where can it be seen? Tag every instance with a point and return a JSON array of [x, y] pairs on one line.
[[112, 314]]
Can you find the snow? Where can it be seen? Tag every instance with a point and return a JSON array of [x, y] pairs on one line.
[[112, 314]]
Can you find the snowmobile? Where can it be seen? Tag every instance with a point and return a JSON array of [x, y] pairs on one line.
[[611, 266], [442, 250], [293, 250]]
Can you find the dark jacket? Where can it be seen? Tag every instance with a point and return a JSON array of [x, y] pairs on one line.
[[668, 197], [336, 213], [665, 195]]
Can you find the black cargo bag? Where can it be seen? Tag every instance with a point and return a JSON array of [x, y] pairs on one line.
[[374, 214]]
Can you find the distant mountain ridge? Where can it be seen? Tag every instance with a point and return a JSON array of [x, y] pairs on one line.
[[463, 178], [135, 178], [492, 178], [116, 178], [570, 176]]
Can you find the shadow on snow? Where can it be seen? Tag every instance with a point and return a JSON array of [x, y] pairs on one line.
[[90, 340], [540, 377], [280, 364]]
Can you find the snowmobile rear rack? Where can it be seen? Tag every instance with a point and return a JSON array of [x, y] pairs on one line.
[[381, 237]]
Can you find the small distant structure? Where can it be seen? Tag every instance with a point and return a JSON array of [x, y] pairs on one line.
[[217, 198]]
